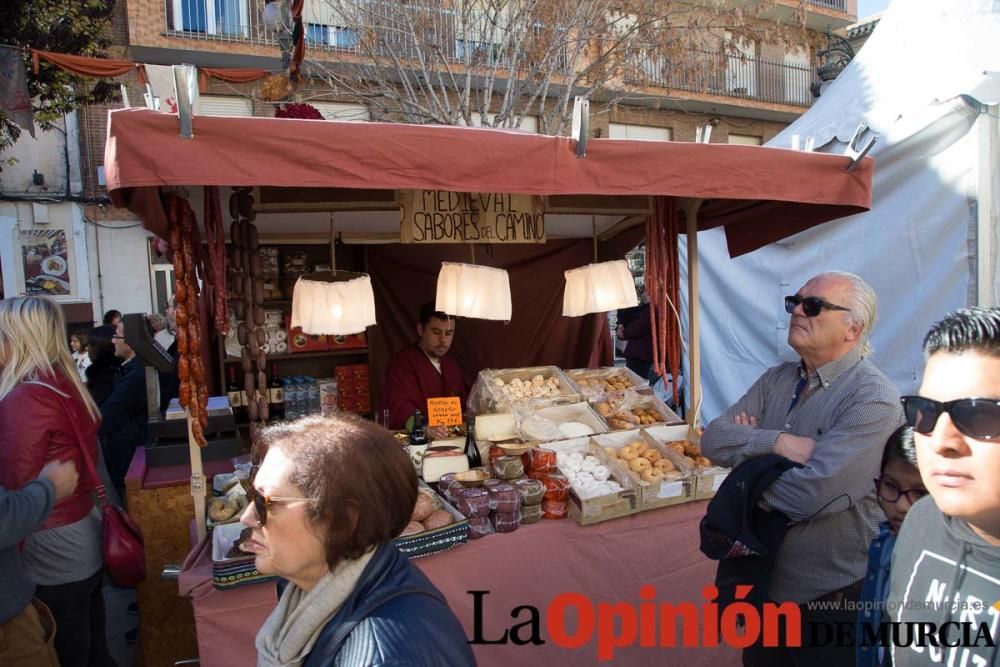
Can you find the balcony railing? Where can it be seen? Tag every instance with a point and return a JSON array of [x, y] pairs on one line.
[[242, 21], [728, 75], [835, 5]]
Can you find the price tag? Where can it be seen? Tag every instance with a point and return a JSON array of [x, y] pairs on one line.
[[444, 411], [671, 489], [719, 479]]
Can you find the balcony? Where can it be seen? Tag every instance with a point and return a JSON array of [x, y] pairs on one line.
[[734, 76], [832, 5]]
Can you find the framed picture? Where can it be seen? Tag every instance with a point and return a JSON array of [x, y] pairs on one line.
[[46, 262]]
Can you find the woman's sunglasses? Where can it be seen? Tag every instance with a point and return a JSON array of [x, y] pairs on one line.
[[811, 305], [890, 493], [262, 502], [977, 418]]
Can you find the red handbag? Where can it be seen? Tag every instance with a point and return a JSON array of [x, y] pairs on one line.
[[124, 555]]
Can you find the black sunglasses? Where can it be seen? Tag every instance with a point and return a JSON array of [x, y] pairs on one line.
[[890, 493], [977, 418], [262, 502], [811, 305]]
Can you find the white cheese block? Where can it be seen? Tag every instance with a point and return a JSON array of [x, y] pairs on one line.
[[435, 466], [495, 428]]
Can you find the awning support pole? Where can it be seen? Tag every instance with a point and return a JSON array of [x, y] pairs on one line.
[[691, 207], [197, 482]]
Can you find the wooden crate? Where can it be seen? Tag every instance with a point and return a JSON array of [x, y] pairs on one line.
[[708, 479], [652, 495]]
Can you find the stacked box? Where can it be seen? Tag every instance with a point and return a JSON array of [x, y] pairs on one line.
[[352, 342], [353, 390], [303, 342]]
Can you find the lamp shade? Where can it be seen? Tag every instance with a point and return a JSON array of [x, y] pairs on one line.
[[470, 290], [598, 288], [333, 308]]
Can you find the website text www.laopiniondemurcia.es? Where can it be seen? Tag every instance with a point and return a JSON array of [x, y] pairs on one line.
[[574, 621]]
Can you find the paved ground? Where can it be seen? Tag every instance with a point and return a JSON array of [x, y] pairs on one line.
[[120, 621]]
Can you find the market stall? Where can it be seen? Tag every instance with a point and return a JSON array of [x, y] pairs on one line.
[[758, 195]]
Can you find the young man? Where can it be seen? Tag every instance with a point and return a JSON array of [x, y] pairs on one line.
[[946, 565], [421, 371]]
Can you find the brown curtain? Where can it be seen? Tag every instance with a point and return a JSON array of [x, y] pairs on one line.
[[230, 74], [405, 276], [82, 65]]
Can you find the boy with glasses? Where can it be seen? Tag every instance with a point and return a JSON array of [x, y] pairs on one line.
[[898, 487], [946, 565]]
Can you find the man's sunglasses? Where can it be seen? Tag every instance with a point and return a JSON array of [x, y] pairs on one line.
[[811, 305], [977, 418], [262, 502], [890, 493]]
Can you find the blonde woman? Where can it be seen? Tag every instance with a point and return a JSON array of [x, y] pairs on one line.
[[41, 398]]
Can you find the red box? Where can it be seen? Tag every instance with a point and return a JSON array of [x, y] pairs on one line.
[[301, 342], [352, 342]]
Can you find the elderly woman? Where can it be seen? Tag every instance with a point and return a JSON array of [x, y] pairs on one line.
[[329, 497], [47, 415]]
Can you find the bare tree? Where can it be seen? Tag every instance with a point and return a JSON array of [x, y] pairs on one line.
[[494, 62]]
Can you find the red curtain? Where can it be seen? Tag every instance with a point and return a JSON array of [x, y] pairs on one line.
[[230, 74], [405, 276], [83, 65]]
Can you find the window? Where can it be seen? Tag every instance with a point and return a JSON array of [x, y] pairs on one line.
[[342, 111], [225, 105], [316, 33], [639, 132], [744, 139], [212, 17], [327, 26]]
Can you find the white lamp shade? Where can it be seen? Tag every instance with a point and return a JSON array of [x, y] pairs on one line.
[[469, 290], [598, 288], [333, 308]]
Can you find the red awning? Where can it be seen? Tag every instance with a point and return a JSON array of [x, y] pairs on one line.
[[760, 194]]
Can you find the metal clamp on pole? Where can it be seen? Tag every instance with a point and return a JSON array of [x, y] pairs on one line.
[[186, 94], [852, 148], [170, 572], [581, 124]]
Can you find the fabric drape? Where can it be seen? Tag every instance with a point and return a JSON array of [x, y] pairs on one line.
[[83, 65]]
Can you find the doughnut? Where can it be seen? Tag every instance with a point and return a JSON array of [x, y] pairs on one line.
[[640, 464], [652, 455], [639, 446], [703, 461], [627, 453], [652, 475], [664, 465], [677, 447]]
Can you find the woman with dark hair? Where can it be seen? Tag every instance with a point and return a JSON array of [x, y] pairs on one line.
[[112, 318], [330, 496], [104, 364], [78, 346]]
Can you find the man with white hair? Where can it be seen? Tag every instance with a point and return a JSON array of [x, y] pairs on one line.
[[831, 412]]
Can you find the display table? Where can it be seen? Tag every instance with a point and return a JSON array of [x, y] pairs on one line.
[[159, 499], [607, 562]]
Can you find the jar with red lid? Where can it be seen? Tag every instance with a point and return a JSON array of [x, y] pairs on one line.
[[556, 487]]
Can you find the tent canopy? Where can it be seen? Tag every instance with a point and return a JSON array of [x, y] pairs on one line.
[[759, 194]]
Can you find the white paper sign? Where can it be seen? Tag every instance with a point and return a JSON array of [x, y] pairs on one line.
[[671, 489]]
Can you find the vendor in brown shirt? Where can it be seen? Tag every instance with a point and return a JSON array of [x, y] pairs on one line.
[[421, 371]]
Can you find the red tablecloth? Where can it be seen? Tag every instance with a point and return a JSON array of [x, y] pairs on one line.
[[606, 562]]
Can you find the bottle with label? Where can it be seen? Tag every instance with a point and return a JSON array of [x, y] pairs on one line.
[[235, 393], [471, 448], [315, 404], [275, 395], [418, 436]]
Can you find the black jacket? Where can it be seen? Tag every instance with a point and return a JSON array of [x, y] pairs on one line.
[[394, 616], [740, 534], [124, 419]]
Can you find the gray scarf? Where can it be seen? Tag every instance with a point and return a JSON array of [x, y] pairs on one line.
[[289, 633]]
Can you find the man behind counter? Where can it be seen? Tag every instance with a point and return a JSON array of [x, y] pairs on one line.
[[421, 371]]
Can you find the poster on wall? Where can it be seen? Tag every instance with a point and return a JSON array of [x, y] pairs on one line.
[[45, 262]]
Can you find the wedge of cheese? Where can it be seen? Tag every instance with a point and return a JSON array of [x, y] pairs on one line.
[[495, 428]]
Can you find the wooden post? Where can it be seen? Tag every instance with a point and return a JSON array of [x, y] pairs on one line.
[[197, 482], [691, 207]]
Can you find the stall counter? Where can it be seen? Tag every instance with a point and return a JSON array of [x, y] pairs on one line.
[[607, 562], [159, 499]]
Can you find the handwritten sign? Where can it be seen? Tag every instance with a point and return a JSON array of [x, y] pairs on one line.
[[438, 216], [444, 411]]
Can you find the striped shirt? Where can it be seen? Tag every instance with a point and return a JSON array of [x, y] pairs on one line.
[[850, 409]]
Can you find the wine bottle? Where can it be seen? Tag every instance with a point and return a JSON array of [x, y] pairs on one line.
[[418, 435], [235, 393], [275, 395], [471, 448]]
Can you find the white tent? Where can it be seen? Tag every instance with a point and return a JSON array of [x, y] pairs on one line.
[[924, 82]]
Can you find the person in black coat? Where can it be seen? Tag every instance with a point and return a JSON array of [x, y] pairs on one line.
[[123, 415], [104, 364]]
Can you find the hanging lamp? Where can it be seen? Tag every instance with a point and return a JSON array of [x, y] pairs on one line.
[[471, 290], [598, 287]]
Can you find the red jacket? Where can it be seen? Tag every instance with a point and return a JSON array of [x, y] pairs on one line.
[[36, 428], [411, 379]]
